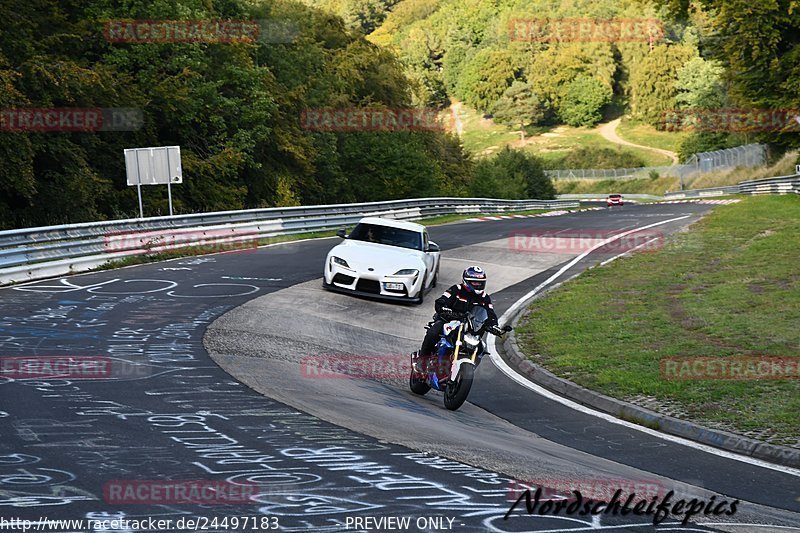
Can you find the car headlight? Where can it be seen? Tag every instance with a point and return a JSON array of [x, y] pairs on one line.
[[407, 272], [340, 261]]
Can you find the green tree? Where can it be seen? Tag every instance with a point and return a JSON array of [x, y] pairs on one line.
[[583, 101], [653, 81], [757, 44], [359, 15], [511, 174], [699, 84], [551, 71], [234, 108], [485, 76], [703, 141], [389, 165], [519, 107]]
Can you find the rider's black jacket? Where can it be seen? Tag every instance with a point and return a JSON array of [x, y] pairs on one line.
[[460, 299]]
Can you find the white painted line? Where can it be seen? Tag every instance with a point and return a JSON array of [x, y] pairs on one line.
[[735, 524], [514, 376], [243, 278], [607, 261]]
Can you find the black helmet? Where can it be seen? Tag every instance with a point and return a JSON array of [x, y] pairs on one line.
[[474, 279]]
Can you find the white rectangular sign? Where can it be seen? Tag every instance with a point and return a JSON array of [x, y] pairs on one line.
[[153, 166]]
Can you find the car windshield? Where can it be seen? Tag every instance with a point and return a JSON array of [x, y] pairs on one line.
[[387, 235]]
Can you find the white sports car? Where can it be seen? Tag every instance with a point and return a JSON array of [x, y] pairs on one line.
[[388, 259]]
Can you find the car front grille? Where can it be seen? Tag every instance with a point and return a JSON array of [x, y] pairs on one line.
[[369, 285]]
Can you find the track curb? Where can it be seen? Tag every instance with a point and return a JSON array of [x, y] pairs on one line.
[[511, 353]]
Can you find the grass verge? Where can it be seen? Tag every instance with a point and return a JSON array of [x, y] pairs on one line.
[[729, 287], [483, 137], [647, 135], [656, 186]]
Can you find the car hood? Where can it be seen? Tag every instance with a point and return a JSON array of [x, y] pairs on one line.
[[385, 260]]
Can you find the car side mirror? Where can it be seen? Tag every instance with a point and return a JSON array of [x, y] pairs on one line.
[[341, 233], [433, 247]]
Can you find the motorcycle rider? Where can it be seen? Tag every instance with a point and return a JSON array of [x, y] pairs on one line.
[[458, 299]]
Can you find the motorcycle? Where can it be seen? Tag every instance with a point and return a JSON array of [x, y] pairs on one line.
[[458, 353]]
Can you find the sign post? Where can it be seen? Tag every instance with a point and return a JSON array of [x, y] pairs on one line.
[[138, 187], [169, 186], [153, 166]]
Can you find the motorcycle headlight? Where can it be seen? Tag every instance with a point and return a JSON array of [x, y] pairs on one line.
[[407, 272], [471, 340], [340, 261]]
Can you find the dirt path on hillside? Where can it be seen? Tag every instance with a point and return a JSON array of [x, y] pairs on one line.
[[609, 132]]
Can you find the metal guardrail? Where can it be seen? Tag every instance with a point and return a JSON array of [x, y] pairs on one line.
[[597, 196], [778, 185], [36, 253], [701, 193]]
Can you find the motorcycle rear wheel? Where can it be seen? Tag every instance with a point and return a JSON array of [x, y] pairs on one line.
[[416, 381], [417, 385], [456, 392]]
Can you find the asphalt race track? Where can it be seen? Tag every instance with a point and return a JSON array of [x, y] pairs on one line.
[[320, 450]]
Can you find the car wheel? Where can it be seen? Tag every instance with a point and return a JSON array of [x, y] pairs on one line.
[[436, 276]]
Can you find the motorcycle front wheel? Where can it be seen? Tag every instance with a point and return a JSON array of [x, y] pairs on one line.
[[456, 392]]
